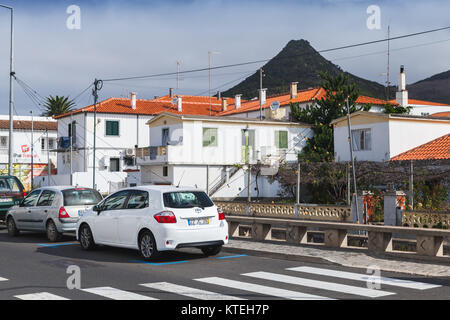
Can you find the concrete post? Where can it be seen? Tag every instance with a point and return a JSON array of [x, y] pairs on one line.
[[430, 246], [296, 235], [336, 238], [394, 203], [356, 215]]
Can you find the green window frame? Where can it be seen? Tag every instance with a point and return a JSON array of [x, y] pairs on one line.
[[112, 127], [210, 137], [281, 139]]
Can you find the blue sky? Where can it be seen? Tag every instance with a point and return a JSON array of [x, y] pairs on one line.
[[122, 38]]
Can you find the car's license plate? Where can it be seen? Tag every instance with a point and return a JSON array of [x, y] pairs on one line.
[[6, 199], [80, 212], [198, 222]]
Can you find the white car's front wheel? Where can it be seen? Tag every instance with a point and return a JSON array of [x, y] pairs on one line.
[[12, 229], [86, 238], [147, 245]]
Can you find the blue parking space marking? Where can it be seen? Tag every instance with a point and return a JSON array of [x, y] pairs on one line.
[[55, 245], [236, 256], [158, 264]]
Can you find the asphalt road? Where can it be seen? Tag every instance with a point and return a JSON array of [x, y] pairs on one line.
[[33, 268]]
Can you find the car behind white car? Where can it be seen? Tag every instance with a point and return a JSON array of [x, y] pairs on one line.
[[54, 210], [152, 219]]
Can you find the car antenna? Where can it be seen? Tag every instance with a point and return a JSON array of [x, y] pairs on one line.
[[181, 178]]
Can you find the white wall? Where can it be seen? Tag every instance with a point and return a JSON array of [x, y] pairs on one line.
[[405, 135], [419, 110]]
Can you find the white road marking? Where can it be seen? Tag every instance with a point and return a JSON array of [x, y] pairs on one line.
[[366, 277], [276, 292], [189, 292], [337, 287], [117, 294], [3, 279], [40, 296]]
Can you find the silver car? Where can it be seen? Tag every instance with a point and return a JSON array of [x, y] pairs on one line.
[[53, 210]]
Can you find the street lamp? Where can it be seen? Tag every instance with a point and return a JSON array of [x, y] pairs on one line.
[[11, 93]]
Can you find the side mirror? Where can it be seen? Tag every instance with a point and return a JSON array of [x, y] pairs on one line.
[[97, 208]]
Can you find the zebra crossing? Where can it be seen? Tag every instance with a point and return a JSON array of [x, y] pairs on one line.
[[297, 277]]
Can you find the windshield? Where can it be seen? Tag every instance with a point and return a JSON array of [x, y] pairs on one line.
[[81, 197], [187, 199], [9, 184]]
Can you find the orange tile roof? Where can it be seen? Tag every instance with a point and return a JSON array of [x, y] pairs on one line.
[[303, 96], [422, 103], [26, 125], [441, 114], [436, 149], [197, 105]]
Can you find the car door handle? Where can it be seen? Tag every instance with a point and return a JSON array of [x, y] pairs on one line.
[[29, 211], [45, 211]]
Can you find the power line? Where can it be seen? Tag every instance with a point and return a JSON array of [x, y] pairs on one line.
[[285, 57]]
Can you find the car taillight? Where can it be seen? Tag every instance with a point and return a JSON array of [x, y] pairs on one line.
[[165, 217], [221, 214], [63, 213], [24, 192]]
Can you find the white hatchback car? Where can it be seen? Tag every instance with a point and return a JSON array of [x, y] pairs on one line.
[[153, 219], [54, 209]]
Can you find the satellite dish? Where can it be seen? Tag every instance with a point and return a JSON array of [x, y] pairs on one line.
[[275, 105], [174, 100]]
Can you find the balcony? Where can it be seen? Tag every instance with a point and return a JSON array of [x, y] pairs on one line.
[[148, 155]]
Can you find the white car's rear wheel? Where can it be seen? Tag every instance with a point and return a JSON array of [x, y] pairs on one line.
[[52, 232], [147, 246]]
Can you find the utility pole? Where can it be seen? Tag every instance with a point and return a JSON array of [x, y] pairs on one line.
[[98, 84], [32, 151], [11, 93], [388, 82], [411, 184], [348, 184], [49, 168], [298, 183], [71, 148], [247, 160], [260, 92], [352, 159]]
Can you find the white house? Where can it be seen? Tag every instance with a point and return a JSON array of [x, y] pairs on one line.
[[121, 128], [44, 137], [210, 152], [380, 137]]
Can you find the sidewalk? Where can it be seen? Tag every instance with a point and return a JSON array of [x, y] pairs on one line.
[[357, 258]]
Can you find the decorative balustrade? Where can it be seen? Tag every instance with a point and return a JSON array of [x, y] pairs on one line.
[[426, 219], [308, 212]]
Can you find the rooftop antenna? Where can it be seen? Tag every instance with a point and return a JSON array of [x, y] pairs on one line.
[[178, 71], [178, 185]]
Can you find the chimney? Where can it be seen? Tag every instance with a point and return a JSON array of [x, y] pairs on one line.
[[133, 100], [237, 100], [262, 96], [224, 104], [402, 94], [219, 95], [179, 104], [294, 90], [171, 92]]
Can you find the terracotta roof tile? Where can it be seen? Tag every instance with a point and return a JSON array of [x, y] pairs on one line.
[[436, 149], [441, 114], [26, 125], [423, 103]]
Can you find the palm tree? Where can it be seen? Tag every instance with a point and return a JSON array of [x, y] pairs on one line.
[[57, 105]]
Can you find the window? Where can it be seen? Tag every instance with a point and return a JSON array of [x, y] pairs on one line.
[[116, 201], [187, 199], [30, 200], [72, 131], [210, 137], [43, 144], [114, 164], [46, 198], [425, 114], [165, 171], [81, 197], [165, 136], [281, 139], [362, 140], [112, 128], [138, 200], [51, 143], [4, 142]]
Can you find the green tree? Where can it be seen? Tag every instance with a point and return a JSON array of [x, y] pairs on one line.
[[323, 112], [57, 105]]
